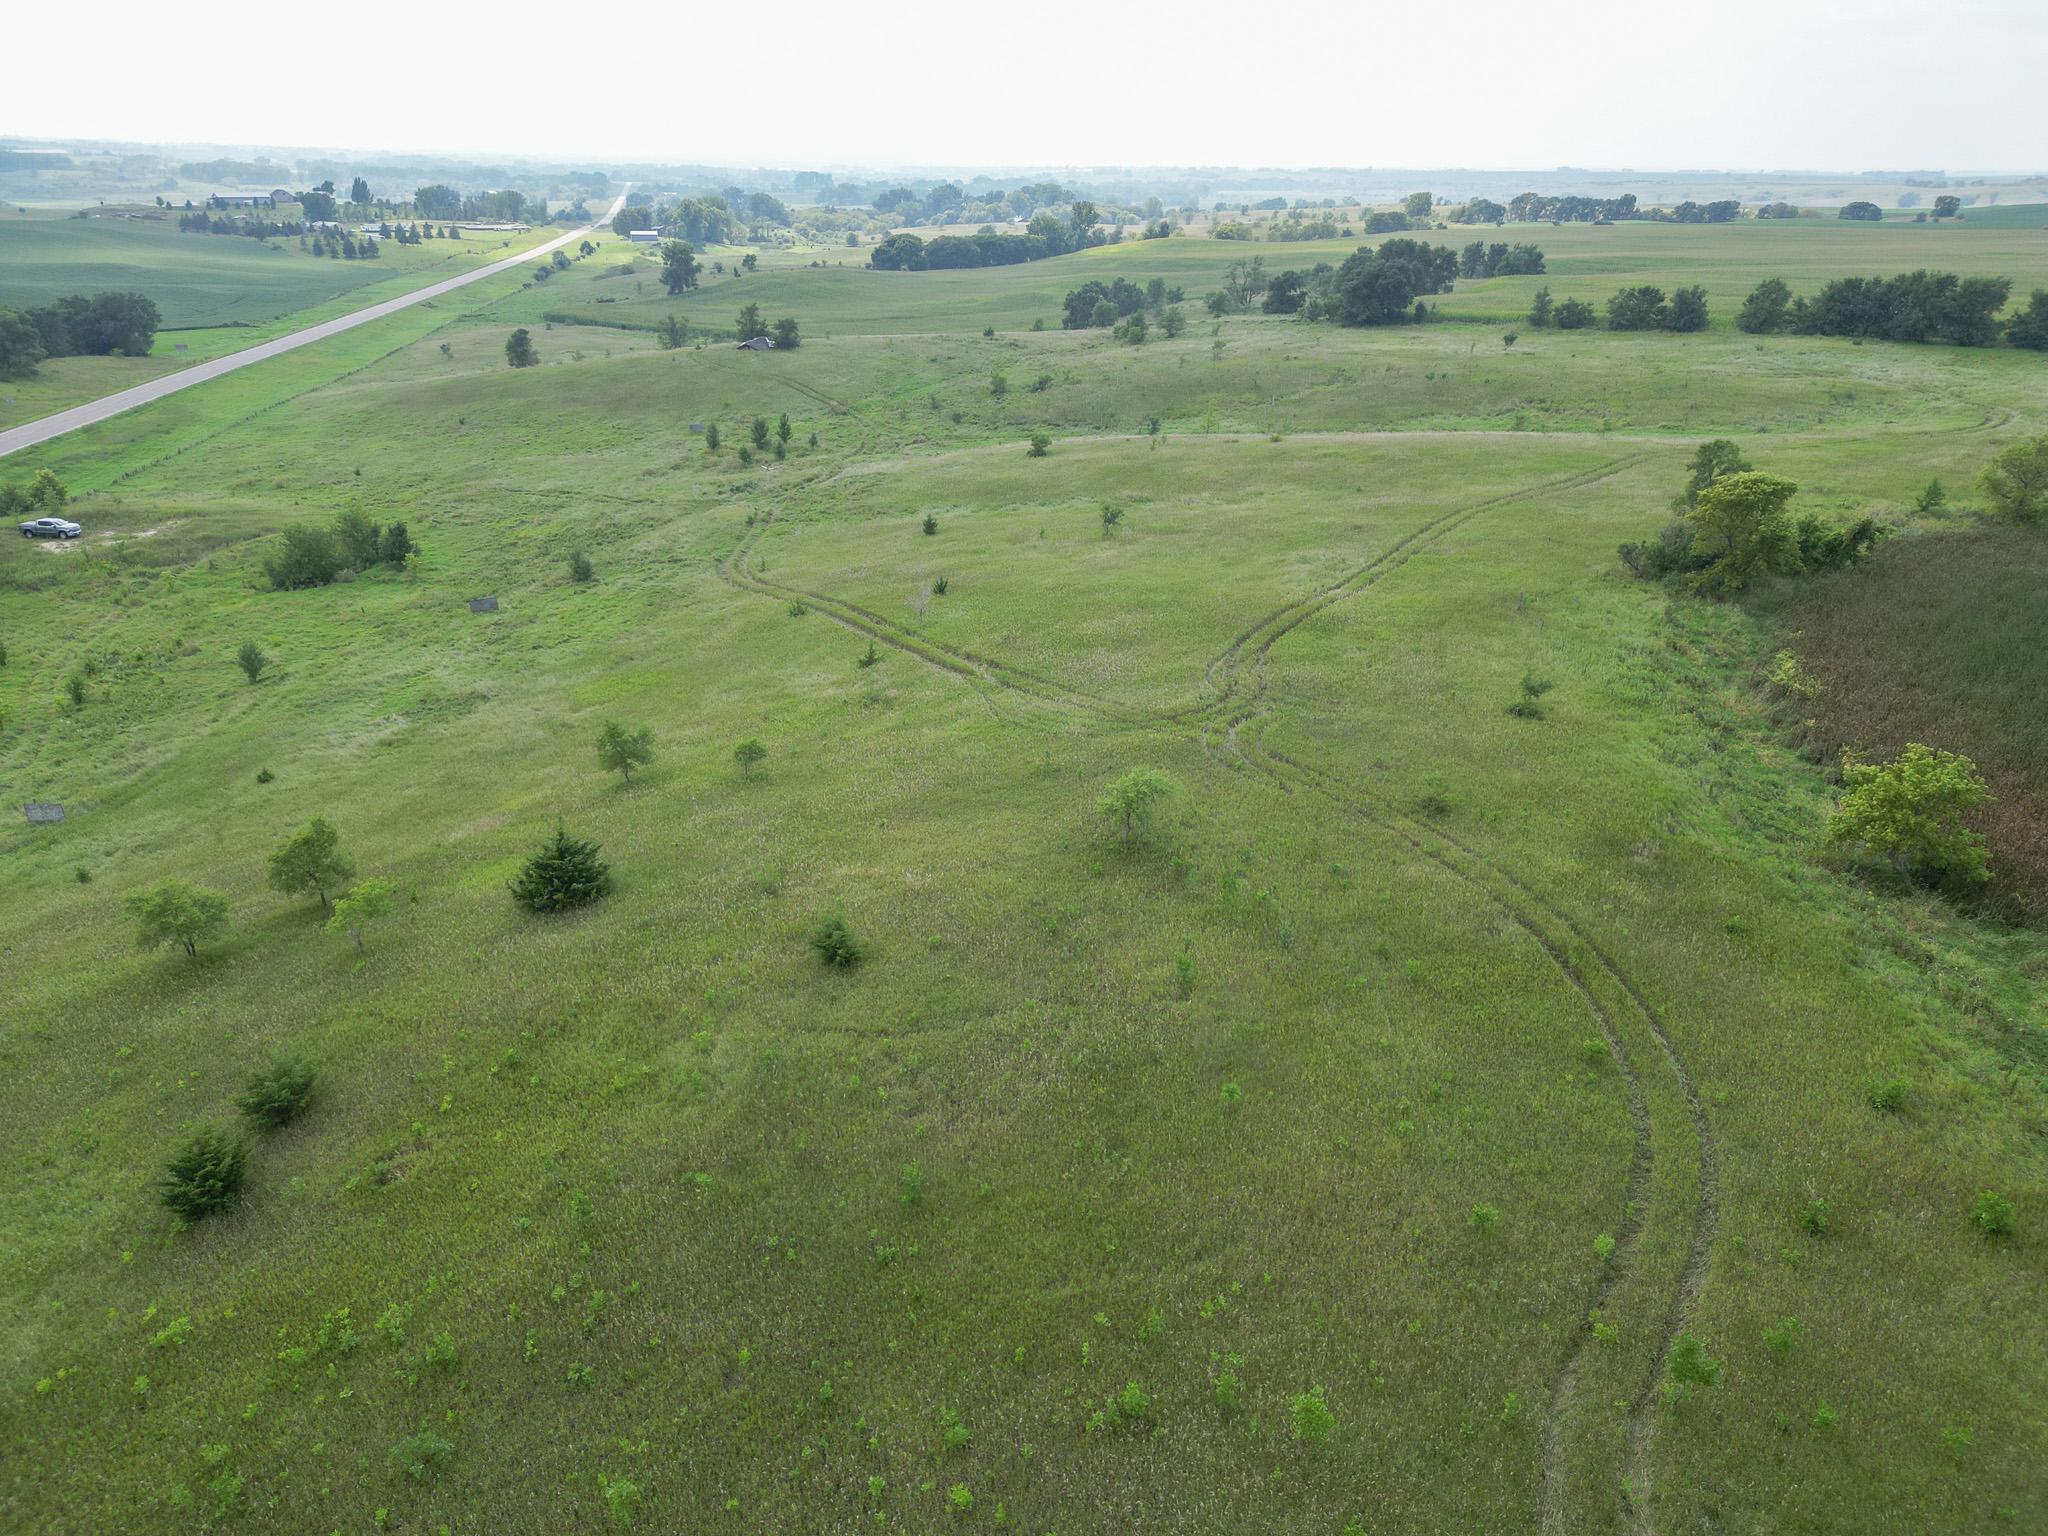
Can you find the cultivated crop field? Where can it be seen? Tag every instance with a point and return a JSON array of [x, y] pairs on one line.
[[1437, 1119]]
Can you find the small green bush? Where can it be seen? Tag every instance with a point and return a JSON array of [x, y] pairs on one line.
[[835, 943], [276, 1092], [204, 1175], [1888, 1094], [420, 1456], [580, 568], [1992, 1214], [1312, 1420]]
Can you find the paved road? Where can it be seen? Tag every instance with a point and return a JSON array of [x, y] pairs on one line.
[[41, 431]]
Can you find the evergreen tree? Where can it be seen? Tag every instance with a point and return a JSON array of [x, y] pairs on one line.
[[565, 873]]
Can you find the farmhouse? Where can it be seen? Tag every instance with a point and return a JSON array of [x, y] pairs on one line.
[[643, 236]]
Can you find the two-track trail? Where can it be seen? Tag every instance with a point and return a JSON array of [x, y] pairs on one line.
[[1664, 1227]]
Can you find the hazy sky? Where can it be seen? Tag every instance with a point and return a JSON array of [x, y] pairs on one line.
[[1748, 84]]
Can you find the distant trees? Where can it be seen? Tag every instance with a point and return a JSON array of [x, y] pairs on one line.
[[311, 859], [1385, 222], [1688, 311], [678, 266], [1084, 307], [671, 333], [1417, 205], [1868, 213], [564, 874], [1641, 308], [750, 324], [519, 349], [1766, 309], [620, 749], [631, 217], [173, 912], [1479, 210], [2029, 328], [1376, 287], [21, 346], [2017, 481], [1912, 306], [1910, 812], [1499, 260], [359, 191], [1778, 211], [439, 202], [102, 325], [786, 338], [1574, 315], [317, 206], [1948, 206]]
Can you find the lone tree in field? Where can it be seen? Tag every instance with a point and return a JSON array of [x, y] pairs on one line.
[[519, 350], [1128, 802], [1041, 443], [749, 754], [786, 336], [311, 860], [678, 267], [621, 750], [565, 873], [367, 901], [204, 1175], [750, 323], [172, 912], [2017, 481], [251, 660], [1740, 523], [1909, 811]]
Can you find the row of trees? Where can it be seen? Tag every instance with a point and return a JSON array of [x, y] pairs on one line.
[[1911, 306], [103, 325], [308, 556], [1044, 236], [1534, 208], [1482, 260]]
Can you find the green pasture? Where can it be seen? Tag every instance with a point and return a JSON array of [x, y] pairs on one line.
[[1412, 1042]]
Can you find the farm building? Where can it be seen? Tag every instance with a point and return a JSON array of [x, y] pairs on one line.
[[757, 344], [643, 236]]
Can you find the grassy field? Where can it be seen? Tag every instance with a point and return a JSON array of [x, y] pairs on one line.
[[1448, 1064], [216, 293]]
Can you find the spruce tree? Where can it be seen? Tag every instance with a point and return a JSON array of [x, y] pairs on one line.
[[565, 873]]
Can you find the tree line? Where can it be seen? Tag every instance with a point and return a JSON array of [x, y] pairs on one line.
[[1909, 306], [101, 325], [1044, 236]]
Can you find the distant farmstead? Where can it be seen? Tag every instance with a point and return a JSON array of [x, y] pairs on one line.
[[757, 344]]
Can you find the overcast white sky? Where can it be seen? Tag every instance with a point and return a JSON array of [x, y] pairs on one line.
[[1745, 84]]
